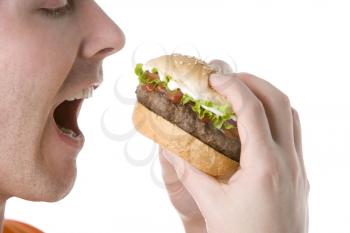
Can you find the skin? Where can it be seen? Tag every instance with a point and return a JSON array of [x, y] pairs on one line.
[[269, 193], [43, 61]]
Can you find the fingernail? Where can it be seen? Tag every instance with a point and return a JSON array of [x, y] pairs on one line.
[[175, 161], [221, 82], [218, 81], [168, 156], [215, 78]]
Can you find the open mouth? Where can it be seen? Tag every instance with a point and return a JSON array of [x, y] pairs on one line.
[[66, 117]]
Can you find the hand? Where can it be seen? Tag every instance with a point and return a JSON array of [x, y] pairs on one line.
[[269, 193]]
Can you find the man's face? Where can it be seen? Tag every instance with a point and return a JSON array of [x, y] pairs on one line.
[[46, 57]]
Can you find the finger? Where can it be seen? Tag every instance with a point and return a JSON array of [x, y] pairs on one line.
[[203, 188], [277, 108], [298, 138], [178, 194], [221, 67], [251, 118], [297, 133], [171, 181]]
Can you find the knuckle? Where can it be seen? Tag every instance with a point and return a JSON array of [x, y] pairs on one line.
[[307, 185], [296, 176], [245, 76], [268, 178], [256, 107], [267, 171], [227, 84], [295, 114], [283, 100]]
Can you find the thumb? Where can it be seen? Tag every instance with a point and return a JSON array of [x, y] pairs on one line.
[[172, 183], [203, 188]]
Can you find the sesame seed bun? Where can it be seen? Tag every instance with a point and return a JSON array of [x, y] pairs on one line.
[[191, 73]]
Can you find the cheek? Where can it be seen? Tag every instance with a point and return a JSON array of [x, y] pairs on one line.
[[37, 57], [29, 85], [33, 65]]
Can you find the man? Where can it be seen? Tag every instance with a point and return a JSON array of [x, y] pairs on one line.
[[52, 51]]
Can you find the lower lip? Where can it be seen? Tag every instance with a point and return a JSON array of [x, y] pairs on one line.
[[75, 143]]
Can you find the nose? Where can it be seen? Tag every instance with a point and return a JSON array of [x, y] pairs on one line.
[[102, 37]]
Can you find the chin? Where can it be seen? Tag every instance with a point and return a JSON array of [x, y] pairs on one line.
[[59, 192], [60, 184], [51, 193], [48, 185]]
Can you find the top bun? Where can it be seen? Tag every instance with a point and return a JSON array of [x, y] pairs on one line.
[[191, 73]]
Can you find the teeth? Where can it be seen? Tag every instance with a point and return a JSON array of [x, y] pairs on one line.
[[84, 94], [68, 132]]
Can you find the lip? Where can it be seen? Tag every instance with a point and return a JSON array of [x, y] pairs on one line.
[[93, 85], [76, 143]]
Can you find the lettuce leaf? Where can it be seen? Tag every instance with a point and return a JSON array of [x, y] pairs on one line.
[[139, 70], [141, 74], [186, 98], [219, 121], [154, 70]]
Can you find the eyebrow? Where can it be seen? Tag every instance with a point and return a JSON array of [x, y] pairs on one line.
[[55, 3]]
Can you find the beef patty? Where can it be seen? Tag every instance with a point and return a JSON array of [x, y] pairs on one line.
[[184, 117]]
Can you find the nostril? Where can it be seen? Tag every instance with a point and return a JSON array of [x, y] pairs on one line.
[[106, 51]]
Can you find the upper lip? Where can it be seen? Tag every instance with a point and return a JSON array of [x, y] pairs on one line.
[[94, 77], [94, 85]]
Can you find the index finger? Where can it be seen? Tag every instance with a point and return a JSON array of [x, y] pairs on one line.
[[251, 117]]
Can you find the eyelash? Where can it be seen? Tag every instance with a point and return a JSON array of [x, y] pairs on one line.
[[60, 11]]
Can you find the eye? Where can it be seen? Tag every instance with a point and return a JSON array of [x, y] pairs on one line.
[[60, 11]]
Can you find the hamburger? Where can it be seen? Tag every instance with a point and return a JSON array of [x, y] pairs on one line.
[[178, 109]]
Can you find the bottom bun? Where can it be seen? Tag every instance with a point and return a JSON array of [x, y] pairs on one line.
[[181, 143]]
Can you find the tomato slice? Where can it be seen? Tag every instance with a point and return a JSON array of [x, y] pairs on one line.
[[175, 96], [161, 88], [148, 87], [206, 119], [152, 76]]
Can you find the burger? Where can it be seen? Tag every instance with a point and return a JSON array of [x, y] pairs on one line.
[[178, 109]]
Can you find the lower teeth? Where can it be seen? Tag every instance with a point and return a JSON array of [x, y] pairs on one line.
[[68, 132]]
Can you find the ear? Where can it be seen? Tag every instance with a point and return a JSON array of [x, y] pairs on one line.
[[221, 67]]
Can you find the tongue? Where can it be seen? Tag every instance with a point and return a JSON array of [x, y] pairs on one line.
[[65, 115]]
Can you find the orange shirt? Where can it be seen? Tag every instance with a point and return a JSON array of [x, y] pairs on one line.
[[11, 226]]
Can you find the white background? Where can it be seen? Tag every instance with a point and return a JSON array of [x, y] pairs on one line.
[[302, 47]]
